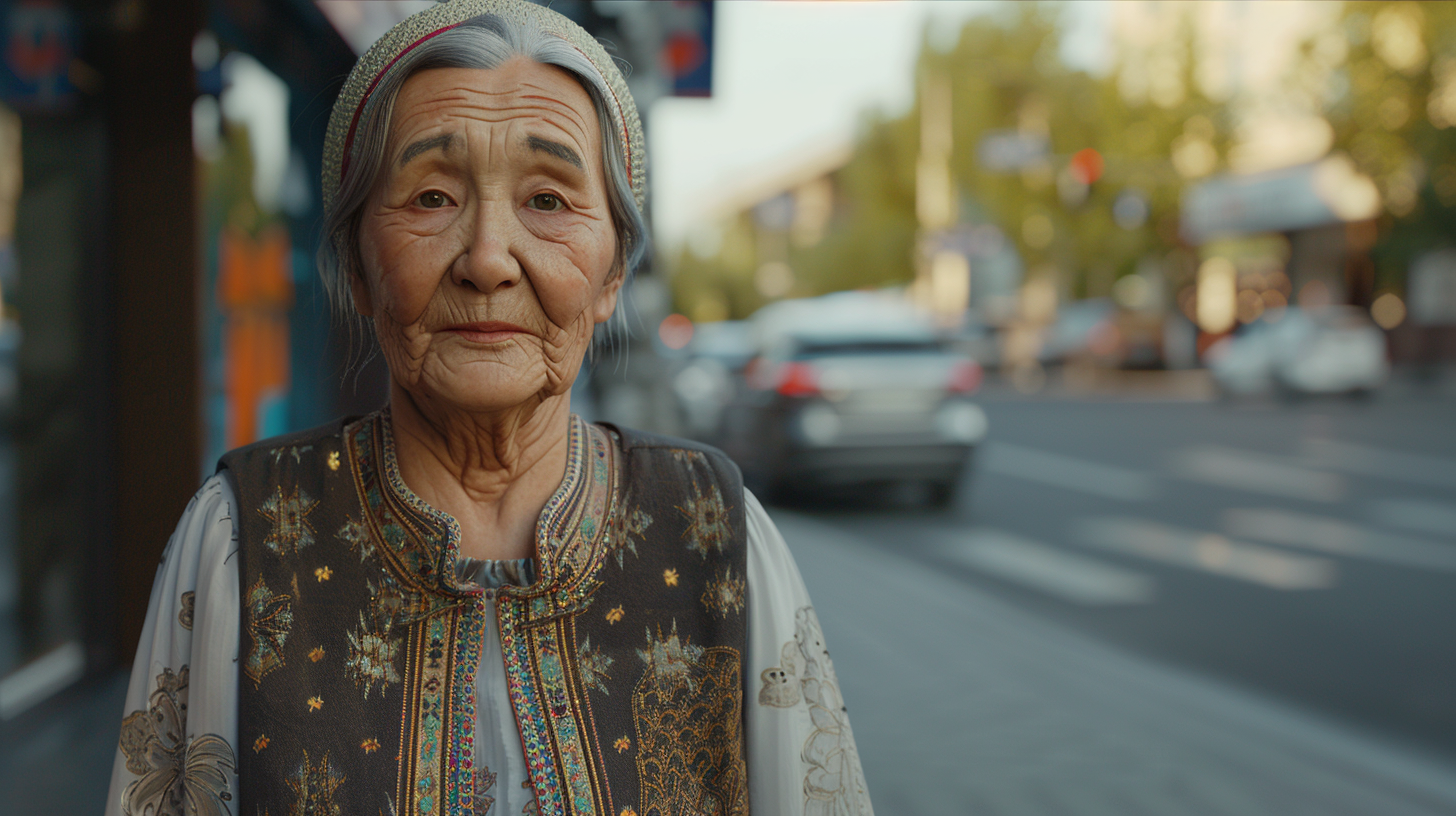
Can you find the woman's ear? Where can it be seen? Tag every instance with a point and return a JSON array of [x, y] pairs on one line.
[[607, 299], [359, 288]]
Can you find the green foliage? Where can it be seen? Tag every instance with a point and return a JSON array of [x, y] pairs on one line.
[[1381, 115], [1006, 73]]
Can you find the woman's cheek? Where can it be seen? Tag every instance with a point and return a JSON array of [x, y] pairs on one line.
[[409, 277]]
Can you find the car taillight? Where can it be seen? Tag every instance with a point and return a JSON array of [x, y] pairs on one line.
[[798, 380], [965, 377]]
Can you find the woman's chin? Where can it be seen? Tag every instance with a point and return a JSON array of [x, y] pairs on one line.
[[490, 394]]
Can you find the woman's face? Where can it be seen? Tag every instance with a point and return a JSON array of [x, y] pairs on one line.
[[487, 245]]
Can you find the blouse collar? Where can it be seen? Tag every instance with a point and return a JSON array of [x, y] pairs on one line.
[[568, 531]]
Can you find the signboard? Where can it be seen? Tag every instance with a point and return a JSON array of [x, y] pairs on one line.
[[1008, 150], [687, 47], [39, 41], [1329, 191]]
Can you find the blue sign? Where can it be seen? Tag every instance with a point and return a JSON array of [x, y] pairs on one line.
[[687, 47], [39, 41]]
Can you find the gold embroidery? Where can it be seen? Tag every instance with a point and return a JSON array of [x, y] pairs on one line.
[[323, 574], [372, 655], [669, 577], [270, 619], [316, 654], [624, 530], [370, 745], [687, 709], [289, 513], [724, 594], [707, 516], [623, 743], [333, 460], [592, 665], [260, 743], [315, 703], [314, 785], [615, 614]]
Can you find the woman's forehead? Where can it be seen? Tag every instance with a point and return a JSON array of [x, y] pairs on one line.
[[520, 90]]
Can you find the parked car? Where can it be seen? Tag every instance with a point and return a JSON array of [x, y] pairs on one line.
[[709, 377], [1333, 349], [849, 389]]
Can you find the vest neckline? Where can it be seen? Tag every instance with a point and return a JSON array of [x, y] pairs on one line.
[[560, 519]]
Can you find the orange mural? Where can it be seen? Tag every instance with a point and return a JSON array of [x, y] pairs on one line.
[[255, 293]]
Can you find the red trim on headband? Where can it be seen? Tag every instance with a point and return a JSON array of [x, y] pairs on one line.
[[621, 114], [354, 123]]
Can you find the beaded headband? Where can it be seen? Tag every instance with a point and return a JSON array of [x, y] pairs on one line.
[[421, 27]]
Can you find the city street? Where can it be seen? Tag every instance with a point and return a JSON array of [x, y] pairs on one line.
[[1157, 607]]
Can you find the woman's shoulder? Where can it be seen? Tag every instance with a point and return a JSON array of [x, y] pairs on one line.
[[630, 441], [291, 445], [204, 537]]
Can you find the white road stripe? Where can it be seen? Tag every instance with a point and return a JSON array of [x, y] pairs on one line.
[[1339, 537], [1411, 468], [1258, 473], [1415, 514], [1056, 572], [1054, 469], [1208, 552]]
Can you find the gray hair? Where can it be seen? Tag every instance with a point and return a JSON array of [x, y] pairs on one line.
[[486, 42]]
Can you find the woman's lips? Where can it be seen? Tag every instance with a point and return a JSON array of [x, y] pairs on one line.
[[493, 331]]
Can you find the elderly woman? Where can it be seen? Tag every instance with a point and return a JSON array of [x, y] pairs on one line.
[[472, 601]]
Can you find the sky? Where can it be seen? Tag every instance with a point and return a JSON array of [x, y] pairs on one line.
[[794, 79]]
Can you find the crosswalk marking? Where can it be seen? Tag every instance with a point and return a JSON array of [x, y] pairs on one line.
[[1339, 537], [1208, 552], [1422, 516], [1410, 468], [1066, 472], [1054, 571], [1244, 470]]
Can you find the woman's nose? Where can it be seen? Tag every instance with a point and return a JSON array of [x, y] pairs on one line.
[[488, 262]]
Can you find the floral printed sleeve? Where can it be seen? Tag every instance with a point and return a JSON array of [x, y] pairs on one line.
[[177, 753], [801, 753]]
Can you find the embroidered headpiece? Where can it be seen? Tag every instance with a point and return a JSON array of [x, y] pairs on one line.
[[419, 28]]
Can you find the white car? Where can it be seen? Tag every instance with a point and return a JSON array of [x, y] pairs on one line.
[[1330, 350]]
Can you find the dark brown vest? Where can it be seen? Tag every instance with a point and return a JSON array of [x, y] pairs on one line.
[[624, 660]]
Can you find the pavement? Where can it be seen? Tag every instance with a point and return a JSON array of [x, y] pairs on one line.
[[962, 703]]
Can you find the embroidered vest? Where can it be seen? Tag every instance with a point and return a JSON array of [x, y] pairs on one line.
[[360, 646]]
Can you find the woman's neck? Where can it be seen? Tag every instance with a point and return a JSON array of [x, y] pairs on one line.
[[493, 472]]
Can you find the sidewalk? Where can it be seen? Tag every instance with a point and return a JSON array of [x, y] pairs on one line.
[[962, 704], [55, 760]]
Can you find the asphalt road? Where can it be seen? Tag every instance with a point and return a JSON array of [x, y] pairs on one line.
[[1305, 552]]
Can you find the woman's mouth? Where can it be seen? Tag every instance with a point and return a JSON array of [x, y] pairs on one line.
[[491, 331]]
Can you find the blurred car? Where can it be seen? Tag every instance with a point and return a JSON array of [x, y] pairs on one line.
[[978, 340], [708, 379], [850, 389], [1078, 328], [1333, 349]]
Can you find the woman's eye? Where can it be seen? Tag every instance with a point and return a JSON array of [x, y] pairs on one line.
[[432, 200], [547, 202]]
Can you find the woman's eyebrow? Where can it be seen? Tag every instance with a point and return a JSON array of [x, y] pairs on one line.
[[556, 149], [443, 141]]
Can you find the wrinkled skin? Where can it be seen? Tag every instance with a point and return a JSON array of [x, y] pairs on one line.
[[475, 219]]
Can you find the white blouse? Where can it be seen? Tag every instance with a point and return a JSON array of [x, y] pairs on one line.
[[178, 746]]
